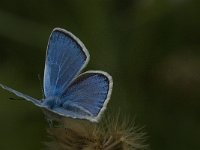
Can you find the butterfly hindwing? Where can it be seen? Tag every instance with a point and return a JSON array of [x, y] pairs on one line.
[[88, 94], [66, 57]]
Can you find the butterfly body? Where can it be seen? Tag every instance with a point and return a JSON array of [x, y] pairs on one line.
[[51, 102], [67, 92]]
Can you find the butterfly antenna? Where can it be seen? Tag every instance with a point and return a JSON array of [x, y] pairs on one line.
[[41, 86], [16, 98]]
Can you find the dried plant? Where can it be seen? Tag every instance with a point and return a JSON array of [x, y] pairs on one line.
[[111, 133]]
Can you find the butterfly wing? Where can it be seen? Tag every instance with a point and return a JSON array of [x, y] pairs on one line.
[[87, 96], [66, 57], [28, 98]]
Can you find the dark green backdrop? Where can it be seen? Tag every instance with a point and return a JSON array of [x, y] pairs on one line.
[[150, 47]]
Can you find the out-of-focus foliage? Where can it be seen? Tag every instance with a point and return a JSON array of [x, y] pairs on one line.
[[150, 47]]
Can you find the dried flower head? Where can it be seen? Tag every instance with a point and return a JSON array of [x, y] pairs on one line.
[[111, 133]]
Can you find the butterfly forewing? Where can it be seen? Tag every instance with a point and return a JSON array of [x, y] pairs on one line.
[[24, 96], [66, 57]]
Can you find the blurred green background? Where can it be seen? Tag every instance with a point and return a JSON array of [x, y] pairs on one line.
[[150, 47]]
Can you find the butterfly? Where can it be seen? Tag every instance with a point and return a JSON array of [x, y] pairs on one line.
[[67, 91]]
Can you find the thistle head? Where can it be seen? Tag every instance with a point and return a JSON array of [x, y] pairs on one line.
[[111, 133]]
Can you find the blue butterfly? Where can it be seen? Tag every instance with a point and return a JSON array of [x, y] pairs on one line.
[[67, 92]]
